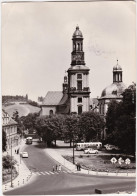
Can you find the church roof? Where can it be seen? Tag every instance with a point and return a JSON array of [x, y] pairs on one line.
[[114, 90], [77, 33], [64, 99], [52, 98], [117, 67]]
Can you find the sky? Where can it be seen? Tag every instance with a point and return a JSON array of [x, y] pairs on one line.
[[37, 44]]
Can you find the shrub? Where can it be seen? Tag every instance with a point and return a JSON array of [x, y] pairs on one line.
[[8, 161]]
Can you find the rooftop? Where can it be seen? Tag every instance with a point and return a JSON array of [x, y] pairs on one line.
[[52, 98]]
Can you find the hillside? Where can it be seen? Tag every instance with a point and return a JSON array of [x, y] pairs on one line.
[[23, 109]]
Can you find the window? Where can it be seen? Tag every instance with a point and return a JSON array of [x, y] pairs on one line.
[[51, 112], [79, 99], [79, 109], [79, 76], [79, 85]]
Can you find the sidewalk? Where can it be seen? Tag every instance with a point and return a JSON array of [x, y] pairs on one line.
[[70, 166], [24, 173]]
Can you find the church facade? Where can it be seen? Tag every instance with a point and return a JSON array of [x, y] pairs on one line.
[[75, 95]]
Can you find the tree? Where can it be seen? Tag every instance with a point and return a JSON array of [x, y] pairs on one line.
[[29, 121], [4, 140], [8, 162], [120, 121], [111, 120], [71, 127], [91, 125], [50, 128]]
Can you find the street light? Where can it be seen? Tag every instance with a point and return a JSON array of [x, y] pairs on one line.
[[18, 168], [73, 152]]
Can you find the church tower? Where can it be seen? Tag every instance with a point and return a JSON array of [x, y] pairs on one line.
[[78, 76], [117, 73]]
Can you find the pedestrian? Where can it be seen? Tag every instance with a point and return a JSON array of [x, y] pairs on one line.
[[59, 168], [56, 167], [15, 150], [79, 167], [53, 169]]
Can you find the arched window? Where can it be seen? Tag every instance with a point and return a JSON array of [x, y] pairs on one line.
[[51, 112], [74, 47], [81, 47], [78, 46]]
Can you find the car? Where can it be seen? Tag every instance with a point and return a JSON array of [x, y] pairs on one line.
[[90, 151], [111, 147], [25, 155]]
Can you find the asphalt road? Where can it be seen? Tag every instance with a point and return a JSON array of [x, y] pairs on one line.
[[65, 183]]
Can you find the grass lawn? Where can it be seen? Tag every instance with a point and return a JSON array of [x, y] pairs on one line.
[[103, 163]]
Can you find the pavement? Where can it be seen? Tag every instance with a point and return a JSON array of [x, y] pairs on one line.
[[25, 175]]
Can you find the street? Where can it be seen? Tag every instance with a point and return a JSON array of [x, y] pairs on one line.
[[47, 182]]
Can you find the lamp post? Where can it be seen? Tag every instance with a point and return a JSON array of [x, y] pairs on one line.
[[18, 168], [73, 152]]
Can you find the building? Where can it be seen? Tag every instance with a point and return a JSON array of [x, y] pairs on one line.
[[10, 128], [75, 94], [113, 91]]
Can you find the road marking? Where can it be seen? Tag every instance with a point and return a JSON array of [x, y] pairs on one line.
[[38, 173], [42, 173], [56, 172], [34, 173], [65, 172], [51, 172], [47, 173]]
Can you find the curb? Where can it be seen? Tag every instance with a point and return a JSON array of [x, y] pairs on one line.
[[57, 157]]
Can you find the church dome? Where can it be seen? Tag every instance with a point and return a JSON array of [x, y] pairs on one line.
[[114, 90], [117, 67], [77, 33]]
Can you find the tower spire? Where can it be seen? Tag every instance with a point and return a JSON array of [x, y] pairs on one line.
[[77, 49], [117, 73]]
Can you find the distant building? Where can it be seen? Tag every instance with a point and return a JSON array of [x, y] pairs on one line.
[[10, 127], [94, 105], [113, 91], [75, 95]]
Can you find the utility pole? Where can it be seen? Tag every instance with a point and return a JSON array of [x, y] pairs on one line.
[[73, 152], [11, 163]]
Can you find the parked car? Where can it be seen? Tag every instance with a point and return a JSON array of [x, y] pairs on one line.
[[111, 147], [25, 155], [90, 151]]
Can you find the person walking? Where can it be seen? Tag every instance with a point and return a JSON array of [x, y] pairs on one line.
[[59, 168], [53, 169], [56, 167]]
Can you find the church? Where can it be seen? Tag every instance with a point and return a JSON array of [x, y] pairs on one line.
[[113, 91], [75, 95]]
